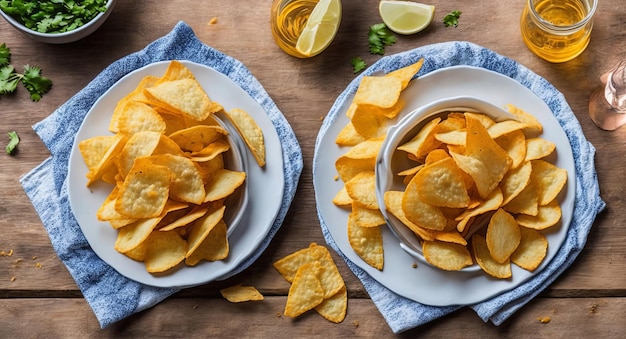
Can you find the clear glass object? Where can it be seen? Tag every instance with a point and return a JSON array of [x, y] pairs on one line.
[[607, 104], [288, 19], [557, 30]]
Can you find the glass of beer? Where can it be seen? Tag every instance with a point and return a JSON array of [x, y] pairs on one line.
[[557, 30], [288, 19]]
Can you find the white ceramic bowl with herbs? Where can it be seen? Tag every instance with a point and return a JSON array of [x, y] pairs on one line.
[[56, 23]]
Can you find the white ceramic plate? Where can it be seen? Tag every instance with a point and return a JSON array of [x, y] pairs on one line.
[[265, 185], [426, 284]]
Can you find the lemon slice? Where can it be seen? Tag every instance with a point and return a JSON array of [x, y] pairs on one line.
[[320, 29], [406, 17]]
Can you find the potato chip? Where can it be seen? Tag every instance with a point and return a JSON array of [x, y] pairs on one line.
[[348, 136], [526, 201], [368, 121], [94, 149], [367, 242], [176, 71], [550, 180], [436, 155], [138, 253], [529, 120], [366, 217], [548, 215], [240, 293], [362, 189], [334, 308], [514, 144], [407, 73], [144, 191], [210, 152], [251, 133], [446, 255], [203, 226], [515, 181], [531, 250], [131, 236], [505, 127], [420, 213], [164, 251], [186, 184], [107, 160], [441, 184], [306, 290], [450, 236], [484, 119], [222, 184], [136, 117], [348, 168], [503, 236], [380, 91], [184, 96], [135, 95], [492, 203], [486, 262], [195, 138], [423, 142], [342, 198], [367, 149], [538, 148], [393, 204], [214, 247], [138, 145], [186, 218]]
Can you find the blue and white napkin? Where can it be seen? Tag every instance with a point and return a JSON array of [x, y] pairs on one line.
[[403, 314], [111, 295]]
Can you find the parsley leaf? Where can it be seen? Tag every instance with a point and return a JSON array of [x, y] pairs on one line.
[[13, 141], [36, 84], [53, 16], [358, 64], [378, 37], [452, 18]]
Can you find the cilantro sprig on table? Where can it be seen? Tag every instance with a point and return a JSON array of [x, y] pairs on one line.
[[36, 84], [14, 139], [53, 16], [379, 37], [452, 19]]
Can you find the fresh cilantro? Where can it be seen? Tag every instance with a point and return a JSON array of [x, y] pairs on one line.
[[380, 36], [53, 16], [36, 84], [13, 141], [452, 18], [358, 64]]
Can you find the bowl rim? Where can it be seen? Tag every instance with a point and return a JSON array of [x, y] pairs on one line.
[[402, 131], [58, 36]]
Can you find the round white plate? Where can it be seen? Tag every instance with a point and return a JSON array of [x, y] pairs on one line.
[[425, 284], [265, 185]]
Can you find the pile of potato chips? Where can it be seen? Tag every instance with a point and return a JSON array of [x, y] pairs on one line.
[[166, 162], [470, 172], [315, 284]]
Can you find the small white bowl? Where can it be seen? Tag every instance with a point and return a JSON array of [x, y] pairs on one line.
[[66, 37], [390, 161]]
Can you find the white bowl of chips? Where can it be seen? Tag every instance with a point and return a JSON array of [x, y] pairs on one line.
[[436, 191], [86, 23]]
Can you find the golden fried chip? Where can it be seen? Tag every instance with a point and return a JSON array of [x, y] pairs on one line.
[[176, 71], [186, 218], [529, 120], [214, 247], [368, 120], [393, 204], [140, 144], [164, 251], [441, 184], [334, 308], [366, 217], [348, 168], [132, 235], [538, 148], [450, 236], [362, 189], [446, 255], [184, 96], [367, 149], [251, 133], [548, 215], [407, 73], [203, 226], [526, 202], [136, 117], [380, 91], [420, 213], [503, 236], [239, 293], [505, 127], [186, 184], [367, 242], [94, 149], [222, 184], [144, 191], [107, 160], [135, 95], [306, 290], [195, 138], [486, 262], [492, 203], [423, 142], [484, 119], [550, 180], [348, 136], [514, 144], [342, 198], [436, 155], [515, 181], [531, 250]]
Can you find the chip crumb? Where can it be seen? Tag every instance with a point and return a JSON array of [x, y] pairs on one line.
[[278, 314], [4, 253], [38, 265], [13, 279], [544, 320], [593, 308], [336, 178], [414, 265], [355, 323], [213, 21], [322, 118], [34, 257], [18, 260]]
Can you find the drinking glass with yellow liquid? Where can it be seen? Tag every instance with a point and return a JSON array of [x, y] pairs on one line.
[[557, 30], [304, 28]]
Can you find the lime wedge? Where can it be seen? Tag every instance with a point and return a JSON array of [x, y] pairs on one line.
[[406, 17], [320, 29]]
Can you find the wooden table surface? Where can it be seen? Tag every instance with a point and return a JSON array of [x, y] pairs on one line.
[[39, 298]]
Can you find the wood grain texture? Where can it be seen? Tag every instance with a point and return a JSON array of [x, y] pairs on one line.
[[38, 297]]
